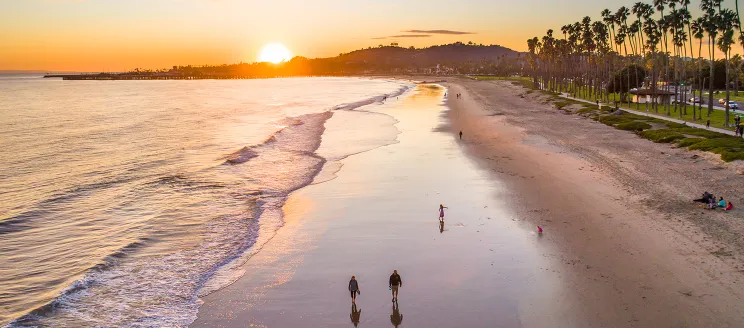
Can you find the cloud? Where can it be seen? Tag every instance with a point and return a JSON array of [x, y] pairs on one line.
[[410, 36], [401, 36], [438, 32]]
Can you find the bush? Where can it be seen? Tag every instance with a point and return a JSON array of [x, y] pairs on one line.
[[634, 126], [673, 125], [687, 142], [661, 135]]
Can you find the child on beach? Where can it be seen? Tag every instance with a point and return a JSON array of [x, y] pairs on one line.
[[441, 211]]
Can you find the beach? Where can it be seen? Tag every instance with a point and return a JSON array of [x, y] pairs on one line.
[[610, 255]]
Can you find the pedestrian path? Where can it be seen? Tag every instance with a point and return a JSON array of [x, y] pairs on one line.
[[661, 117]]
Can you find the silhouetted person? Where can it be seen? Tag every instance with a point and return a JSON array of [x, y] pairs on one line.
[[396, 318], [441, 226], [707, 124], [354, 315], [460, 135], [395, 282], [353, 288]]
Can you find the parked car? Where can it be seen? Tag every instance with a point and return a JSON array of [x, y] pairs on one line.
[[695, 100], [733, 105]]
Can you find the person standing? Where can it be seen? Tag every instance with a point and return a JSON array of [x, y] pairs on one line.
[[460, 135], [395, 282], [441, 211], [353, 288]]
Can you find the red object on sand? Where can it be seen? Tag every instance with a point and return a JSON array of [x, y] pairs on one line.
[[539, 229], [730, 206]]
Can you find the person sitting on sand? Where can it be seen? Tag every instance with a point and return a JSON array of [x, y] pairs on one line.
[[722, 203], [705, 199], [712, 202], [729, 206]]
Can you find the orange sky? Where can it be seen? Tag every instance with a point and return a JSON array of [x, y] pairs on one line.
[[116, 35]]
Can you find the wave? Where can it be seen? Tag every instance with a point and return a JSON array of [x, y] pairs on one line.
[[372, 100], [285, 162]]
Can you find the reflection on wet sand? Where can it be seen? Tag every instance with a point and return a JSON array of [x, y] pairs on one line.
[[441, 226], [355, 315], [396, 318]]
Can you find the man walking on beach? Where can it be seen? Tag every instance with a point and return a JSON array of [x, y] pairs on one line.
[[354, 289], [395, 282]]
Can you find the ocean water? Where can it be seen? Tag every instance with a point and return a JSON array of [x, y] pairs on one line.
[[123, 202]]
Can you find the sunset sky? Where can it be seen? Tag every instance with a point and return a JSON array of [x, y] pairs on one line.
[[116, 35]]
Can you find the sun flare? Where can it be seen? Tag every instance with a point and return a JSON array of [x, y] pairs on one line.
[[274, 53]]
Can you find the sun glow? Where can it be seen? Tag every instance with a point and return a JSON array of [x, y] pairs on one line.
[[274, 53]]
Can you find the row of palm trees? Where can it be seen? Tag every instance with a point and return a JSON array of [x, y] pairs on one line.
[[648, 42]]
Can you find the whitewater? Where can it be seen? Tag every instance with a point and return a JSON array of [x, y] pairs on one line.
[[122, 203]]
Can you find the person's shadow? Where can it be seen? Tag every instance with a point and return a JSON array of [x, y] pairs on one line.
[[355, 315], [441, 226], [396, 318]]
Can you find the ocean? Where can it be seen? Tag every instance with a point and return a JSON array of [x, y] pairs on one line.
[[124, 202]]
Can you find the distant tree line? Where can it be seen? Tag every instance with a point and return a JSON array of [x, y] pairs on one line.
[[653, 47]]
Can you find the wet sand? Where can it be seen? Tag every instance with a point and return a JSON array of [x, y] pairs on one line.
[[600, 263], [381, 213]]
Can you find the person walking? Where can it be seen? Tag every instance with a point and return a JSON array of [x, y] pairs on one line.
[[441, 211], [354, 289], [395, 282], [460, 135]]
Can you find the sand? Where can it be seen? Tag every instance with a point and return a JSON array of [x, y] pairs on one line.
[[609, 257]]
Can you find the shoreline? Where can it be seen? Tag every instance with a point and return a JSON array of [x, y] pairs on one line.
[[607, 257]]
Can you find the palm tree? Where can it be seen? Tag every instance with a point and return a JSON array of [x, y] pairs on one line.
[[533, 45], [710, 25], [698, 31], [653, 38], [727, 23]]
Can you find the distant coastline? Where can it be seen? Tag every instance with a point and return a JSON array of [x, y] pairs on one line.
[[449, 59]]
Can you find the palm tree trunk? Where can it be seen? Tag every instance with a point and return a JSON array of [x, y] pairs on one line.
[[710, 83]]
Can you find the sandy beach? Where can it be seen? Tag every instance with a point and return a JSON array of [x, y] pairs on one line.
[[617, 250]]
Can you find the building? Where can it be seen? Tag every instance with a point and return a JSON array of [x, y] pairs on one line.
[[643, 96]]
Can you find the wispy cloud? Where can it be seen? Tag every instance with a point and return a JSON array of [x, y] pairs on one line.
[[450, 32], [401, 36]]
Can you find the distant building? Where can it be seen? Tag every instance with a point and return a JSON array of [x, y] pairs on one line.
[[643, 96]]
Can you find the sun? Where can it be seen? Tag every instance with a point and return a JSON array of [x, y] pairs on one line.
[[274, 53]]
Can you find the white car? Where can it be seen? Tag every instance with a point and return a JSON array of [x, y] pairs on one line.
[[695, 100], [733, 105]]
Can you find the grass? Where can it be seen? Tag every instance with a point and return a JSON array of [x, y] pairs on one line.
[[722, 95], [729, 147]]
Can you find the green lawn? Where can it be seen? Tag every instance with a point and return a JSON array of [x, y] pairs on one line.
[[717, 117], [729, 147]]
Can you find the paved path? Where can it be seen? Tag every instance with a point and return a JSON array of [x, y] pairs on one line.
[[661, 117]]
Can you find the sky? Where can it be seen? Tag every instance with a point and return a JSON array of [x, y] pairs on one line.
[[119, 35]]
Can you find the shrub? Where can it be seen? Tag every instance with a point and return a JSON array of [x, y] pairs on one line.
[[634, 126], [661, 135]]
